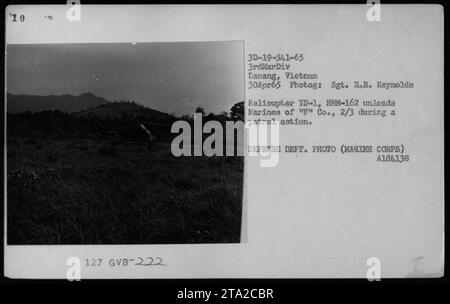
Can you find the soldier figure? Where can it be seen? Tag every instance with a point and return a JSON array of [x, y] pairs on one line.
[[150, 137]]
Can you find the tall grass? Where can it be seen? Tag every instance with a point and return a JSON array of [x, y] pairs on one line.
[[64, 192]]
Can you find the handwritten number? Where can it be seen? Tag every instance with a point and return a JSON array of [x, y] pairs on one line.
[[157, 261], [141, 260]]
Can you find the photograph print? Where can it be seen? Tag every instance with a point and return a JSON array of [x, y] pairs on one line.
[[110, 143]]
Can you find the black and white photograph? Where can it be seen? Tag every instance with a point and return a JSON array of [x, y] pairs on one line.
[[89, 158]]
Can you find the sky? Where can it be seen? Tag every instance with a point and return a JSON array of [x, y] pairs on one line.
[[169, 77]]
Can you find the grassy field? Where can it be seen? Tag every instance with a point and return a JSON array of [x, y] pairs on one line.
[[85, 192]]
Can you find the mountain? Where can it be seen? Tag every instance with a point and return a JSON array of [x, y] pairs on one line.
[[125, 110], [64, 103]]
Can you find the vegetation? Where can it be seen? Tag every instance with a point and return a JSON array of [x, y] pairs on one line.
[[69, 183]]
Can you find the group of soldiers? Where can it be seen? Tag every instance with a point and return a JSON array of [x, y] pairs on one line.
[[117, 136]]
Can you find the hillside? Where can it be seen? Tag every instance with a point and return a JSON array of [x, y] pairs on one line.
[[65, 103], [125, 110]]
